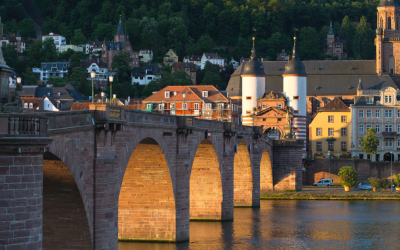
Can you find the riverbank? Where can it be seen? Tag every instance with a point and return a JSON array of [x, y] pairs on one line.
[[331, 194]]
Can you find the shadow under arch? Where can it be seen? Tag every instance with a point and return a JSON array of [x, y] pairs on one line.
[[266, 172], [146, 204], [242, 178], [205, 184], [65, 224]]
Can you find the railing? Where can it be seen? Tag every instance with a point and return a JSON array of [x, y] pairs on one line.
[[23, 125], [291, 143], [388, 134]]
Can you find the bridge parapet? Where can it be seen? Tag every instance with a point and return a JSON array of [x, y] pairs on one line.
[[143, 118], [23, 125], [62, 122]]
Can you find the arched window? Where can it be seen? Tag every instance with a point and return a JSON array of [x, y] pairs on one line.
[[273, 133], [389, 23]]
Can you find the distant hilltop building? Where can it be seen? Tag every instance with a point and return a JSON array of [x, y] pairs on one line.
[[14, 40], [120, 43], [336, 46], [58, 40]]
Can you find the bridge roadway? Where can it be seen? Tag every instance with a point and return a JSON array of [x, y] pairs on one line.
[[86, 179]]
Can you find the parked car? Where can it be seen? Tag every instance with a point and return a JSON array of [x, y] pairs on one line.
[[364, 186], [324, 183]]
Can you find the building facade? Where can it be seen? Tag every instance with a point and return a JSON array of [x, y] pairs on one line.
[[330, 130], [378, 109], [14, 40], [51, 69], [95, 47], [170, 57], [336, 46], [58, 40], [76, 48], [144, 75], [189, 68], [145, 55], [100, 68], [213, 58], [195, 59], [202, 101], [120, 43]]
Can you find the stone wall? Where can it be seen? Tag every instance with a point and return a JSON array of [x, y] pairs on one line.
[[320, 168]]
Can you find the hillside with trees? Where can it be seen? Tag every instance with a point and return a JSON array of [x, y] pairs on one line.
[[194, 27]]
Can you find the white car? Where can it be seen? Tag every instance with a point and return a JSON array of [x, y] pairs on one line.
[[324, 183]]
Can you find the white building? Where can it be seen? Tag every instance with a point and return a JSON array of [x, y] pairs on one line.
[[51, 69], [95, 47], [58, 40], [295, 91], [100, 67], [145, 55], [213, 58], [234, 63], [146, 74], [71, 46]]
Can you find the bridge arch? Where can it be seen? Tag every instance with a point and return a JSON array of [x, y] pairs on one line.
[[266, 171], [206, 192], [242, 177], [146, 204], [65, 223]]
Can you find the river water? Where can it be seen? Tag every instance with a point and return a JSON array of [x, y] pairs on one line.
[[292, 224]]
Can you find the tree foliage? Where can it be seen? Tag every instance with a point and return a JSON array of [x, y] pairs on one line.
[[369, 144], [348, 176]]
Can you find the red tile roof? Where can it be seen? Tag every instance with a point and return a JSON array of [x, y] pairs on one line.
[[180, 66], [195, 94]]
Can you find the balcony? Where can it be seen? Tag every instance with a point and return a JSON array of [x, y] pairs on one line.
[[388, 134]]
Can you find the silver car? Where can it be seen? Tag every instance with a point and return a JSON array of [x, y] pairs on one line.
[[324, 183]]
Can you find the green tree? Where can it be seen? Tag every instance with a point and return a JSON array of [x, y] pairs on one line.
[[211, 78], [26, 29], [78, 76], [49, 51], [78, 37], [104, 31], [10, 55], [309, 45], [347, 31], [369, 144], [121, 62], [363, 45], [348, 176]]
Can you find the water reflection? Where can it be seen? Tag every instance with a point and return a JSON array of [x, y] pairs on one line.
[[296, 225]]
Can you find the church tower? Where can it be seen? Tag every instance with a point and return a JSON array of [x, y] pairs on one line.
[[120, 35], [253, 87], [295, 91], [330, 40], [387, 38]]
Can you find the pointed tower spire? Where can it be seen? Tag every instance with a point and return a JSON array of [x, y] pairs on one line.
[[295, 66], [253, 67], [359, 87], [330, 32]]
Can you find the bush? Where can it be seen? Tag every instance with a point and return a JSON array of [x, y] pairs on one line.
[[344, 156], [385, 183], [374, 182], [396, 179], [348, 176]]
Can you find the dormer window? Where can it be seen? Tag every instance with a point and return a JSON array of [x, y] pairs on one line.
[[26, 105], [167, 94], [31, 105], [370, 100], [388, 99], [205, 93]]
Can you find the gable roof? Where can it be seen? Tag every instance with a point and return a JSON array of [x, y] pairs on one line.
[[193, 93], [180, 66], [212, 56], [267, 110], [193, 58], [97, 61], [336, 105]]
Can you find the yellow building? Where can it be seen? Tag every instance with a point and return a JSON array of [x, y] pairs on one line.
[[170, 57], [330, 129]]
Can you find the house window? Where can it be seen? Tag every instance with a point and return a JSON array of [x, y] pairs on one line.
[[172, 106], [31, 105], [398, 113], [388, 128], [296, 98], [369, 113], [205, 93], [360, 140], [196, 106], [264, 106], [279, 119], [361, 114], [296, 112], [209, 106], [344, 118], [398, 143], [167, 93], [248, 112], [221, 105], [370, 100], [388, 99], [330, 118], [148, 106], [319, 131], [360, 128], [264, 119], [377, 114], [398, 128], [343, 146], [319, 146], [368, 127], [377, 129], [389, 143], [161, 106], [388, 113], [343, 131], [279, 106], [330, 131], [330, 145], [184, 106], [26, 105], [248, 97]]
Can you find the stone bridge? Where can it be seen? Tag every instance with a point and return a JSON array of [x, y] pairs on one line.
[[86, 179]]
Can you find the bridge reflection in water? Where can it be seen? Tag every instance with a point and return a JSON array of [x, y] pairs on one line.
[[296, 225]]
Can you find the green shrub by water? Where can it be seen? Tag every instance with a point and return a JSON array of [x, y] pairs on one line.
[[348, 176]]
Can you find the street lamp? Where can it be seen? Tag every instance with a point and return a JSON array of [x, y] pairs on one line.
[[18, 80], [114, 97], [102, 95], [175, 93], [111, 79], [93, 75], [184, 95], [391, 171]]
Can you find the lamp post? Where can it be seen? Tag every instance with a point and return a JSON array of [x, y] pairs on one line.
[[102, 95], [93, 75], [175, 93], [114, 97], [18, 80], [391, 171], [184, 95], [111, 79]]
